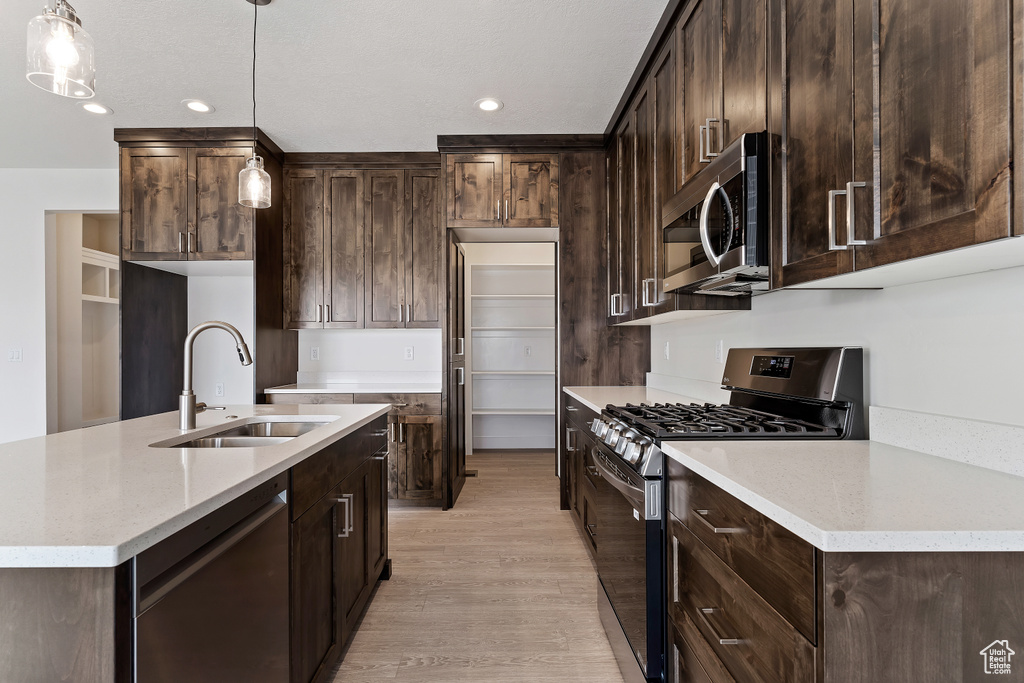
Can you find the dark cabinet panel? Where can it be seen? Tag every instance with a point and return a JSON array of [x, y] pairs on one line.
[[622, 226], [647, 233], [315, 639], [531, 190], [419, 457], [385, 267], [456, 419], [304, 249], [343, 258], [154, 203], [700, 85], [223, 228], [423, 249], [474, 190], [352, 550], [744, 68]]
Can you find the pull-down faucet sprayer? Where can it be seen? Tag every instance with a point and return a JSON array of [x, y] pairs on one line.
[[187, 406]]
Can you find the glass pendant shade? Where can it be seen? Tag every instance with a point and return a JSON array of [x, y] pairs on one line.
[[254, 184], [60, 54]]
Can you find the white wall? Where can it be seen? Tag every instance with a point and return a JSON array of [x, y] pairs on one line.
[[370, 355], [949, 347], [215, 360], [26, 195]]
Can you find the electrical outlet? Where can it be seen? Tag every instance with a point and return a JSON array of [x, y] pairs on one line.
[[218, 389], [314, 353], [527, 352], [720, 351], [13, 355], [409, 353], [666, 350]]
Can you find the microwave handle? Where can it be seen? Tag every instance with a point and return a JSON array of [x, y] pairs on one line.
[[705, 239]]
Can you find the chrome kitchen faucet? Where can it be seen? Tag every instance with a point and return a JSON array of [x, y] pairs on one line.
[[187, 406]]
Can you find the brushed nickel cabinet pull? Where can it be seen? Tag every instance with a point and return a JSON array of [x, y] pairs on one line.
[[833, 244], [700, 145], [707, 131], [181, 238], [702, 518], [462, 376], [380, 432], [401, 313], [570, 443], [188, 241], [346, 500], [327, 313], [703, 613], [571, 409], [401, 432], [506, 210], [851, 238]]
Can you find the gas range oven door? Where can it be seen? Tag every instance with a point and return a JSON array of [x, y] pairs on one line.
[[629, 564]]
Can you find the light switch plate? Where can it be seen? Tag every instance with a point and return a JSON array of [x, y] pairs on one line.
[[13, 355], [720, 351]]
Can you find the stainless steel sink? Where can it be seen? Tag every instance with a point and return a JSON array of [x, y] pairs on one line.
[[257, 432], [234, 441]]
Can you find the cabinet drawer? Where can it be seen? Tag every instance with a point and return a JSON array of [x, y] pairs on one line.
[[776, 563], [580, 415], [751, 639], [292, 399], [685, 665], [405, 404]]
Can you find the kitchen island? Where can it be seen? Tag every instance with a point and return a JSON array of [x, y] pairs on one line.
[[78, 510]]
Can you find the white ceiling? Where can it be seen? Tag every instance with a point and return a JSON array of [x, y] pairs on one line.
[[332, 76]]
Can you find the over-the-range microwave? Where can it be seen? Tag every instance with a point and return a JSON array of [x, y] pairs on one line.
[[716, 229]]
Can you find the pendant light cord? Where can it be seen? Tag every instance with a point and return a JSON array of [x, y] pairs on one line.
[[255, 16]]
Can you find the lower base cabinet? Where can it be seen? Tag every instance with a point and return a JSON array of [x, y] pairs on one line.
[[579, 491], [339, 547], [416, 458]]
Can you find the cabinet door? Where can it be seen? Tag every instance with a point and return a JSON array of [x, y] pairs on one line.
[[943, 125], [222, 228], [352, 548], [647, 232], [315, 618], [819, 134], [530, 190], [700, 85], [419, 462], [456, 300], [744, 68], [343, 257], [304, 249], [385, 268], [154, 203], [622, 271], [456, 431], [666, 167], [376, 519], [474, 187], [423, 248]]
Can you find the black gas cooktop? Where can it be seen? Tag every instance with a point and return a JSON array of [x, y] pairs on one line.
[[681, 420]]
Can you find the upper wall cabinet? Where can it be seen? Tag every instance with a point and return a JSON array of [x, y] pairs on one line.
[[722, 86], [363, 248], [502, 190], [181, 204], [900, 146]]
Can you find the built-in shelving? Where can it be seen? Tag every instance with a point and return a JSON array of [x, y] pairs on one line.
[[512, 355]]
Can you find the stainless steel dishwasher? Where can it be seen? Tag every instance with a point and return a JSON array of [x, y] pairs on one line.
[[211, 601]]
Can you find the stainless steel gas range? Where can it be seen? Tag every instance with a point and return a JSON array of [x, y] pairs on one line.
[[795, 393]]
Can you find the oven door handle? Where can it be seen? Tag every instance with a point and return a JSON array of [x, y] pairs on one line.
[[624, 487], [705, 238]]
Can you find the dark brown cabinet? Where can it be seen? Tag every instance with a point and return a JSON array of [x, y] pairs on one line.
[[417, 455], [455, 408], [622, 223], [722, 85], [502, 190], [579, 468], [364, 248], [181, 204], [339, 547], [901, 147]]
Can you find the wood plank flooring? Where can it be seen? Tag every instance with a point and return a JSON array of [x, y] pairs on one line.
[[499, 588]]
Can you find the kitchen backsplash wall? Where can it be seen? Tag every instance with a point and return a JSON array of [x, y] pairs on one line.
[[949, 347], [215, 360], [373, 356]]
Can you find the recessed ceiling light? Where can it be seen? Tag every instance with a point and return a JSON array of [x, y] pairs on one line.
[[97, 108], [199, 106], [489, 104]]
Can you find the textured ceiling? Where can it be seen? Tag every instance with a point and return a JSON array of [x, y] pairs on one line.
[[332, 76]]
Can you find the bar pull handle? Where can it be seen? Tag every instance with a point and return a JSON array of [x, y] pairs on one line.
[[616, 310], [383, 455], [401, 313], [703, 612], [408, 313], [391, 431], [188, 242], [571, 409], [461, 346], [570, 442], [346, 500], [327, 313], [648, 300], [707, 131], [702, 518], [851, 239], [380, 432], [700, 145], [506, 209], [181, 240], [832, 227], [401, 432], [399, 405]]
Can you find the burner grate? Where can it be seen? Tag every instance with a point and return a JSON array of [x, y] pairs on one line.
[[680, 420]]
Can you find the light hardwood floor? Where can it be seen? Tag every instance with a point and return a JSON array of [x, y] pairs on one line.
[[499, 588]]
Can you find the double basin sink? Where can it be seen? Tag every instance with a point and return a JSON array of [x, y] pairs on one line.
[[254, 433]]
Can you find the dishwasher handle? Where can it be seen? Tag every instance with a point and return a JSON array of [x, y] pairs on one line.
[[204, 556]]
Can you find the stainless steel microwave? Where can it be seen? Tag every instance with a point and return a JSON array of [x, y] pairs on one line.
[[715, 229]]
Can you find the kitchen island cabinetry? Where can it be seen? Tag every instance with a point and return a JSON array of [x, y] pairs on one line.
[[502, 190], [577, 448], [902, 148]]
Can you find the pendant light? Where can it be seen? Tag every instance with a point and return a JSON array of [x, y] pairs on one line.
[[60, 53], [253, 180]]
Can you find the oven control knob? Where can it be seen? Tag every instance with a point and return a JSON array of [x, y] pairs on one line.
[[632, 452], [611, 436], [623, 444], [599, 428]]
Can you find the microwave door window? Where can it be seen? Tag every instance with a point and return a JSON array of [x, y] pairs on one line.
[[680, 239]]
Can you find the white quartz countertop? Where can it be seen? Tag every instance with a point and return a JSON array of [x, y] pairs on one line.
[[357, 388], [96, 497], [596, 398], [865, 496]]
